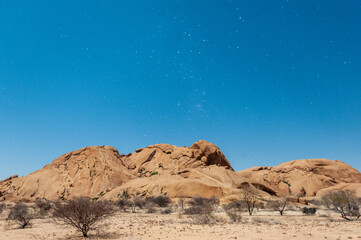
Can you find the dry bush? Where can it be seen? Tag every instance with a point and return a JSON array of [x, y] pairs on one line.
[[166, 211], [200, 205], [343, 201], [151, 209], [278, 205], [2, 207], [237, 205], [234, 216], [124, 201], [123, 204], [43, 206], [137, 202], [20, 215], [82, 213], [250, 200], [203, 209], [204, 218], [162, 201], [309, 211]]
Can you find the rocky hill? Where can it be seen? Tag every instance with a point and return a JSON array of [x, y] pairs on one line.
[[101, 172], [303, 178]]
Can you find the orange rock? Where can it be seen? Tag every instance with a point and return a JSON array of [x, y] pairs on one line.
[[302, 177]]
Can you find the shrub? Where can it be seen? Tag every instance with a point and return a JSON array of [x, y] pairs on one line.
[[234, 216], [43, 205], [193, 210], [151, 209], [202, 209], [123, 204], [20, 214], [82, 213], [167, 211], [137, 201], [309, 211], [204, 218], [2, 207], [344, 202], [205, 203], [162, 201], [234, 205]]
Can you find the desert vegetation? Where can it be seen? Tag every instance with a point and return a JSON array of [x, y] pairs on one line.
[[21, 215], [250, 200], [2, 207], [43, 206], [202, 209], [82, 213], [344, 202], [278, 205], [162, 201], [85, 215], [309, 210]]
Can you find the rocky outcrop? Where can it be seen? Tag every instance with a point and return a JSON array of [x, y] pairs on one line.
[[302, 178], [201, 169], [100, 170], [169, 159], [85, 172]]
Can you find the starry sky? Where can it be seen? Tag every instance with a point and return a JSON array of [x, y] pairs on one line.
[[266, 81]]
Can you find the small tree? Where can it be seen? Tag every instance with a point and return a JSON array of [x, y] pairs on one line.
[[250, 200], [20, 214], [279, 205], [82, 213], [181, 201], [343, 201]]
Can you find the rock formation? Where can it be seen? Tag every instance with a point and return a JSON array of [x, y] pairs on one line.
[[85, 172], [101, 172], [302, 178], [201, 169]]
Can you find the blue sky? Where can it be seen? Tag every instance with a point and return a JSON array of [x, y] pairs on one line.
[[266, 81]]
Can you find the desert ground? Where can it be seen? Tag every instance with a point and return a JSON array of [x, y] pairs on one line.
[[263, 225]]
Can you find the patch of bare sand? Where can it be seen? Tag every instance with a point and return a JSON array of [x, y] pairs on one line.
[[154, 226]]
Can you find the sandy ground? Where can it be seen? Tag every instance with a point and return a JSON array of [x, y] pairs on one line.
[[174, 226]]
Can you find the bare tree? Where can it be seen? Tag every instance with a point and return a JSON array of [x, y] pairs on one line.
[[250, 200], [181, 201], [82, 213], [343, 201], [20, 214], [279, 205]]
